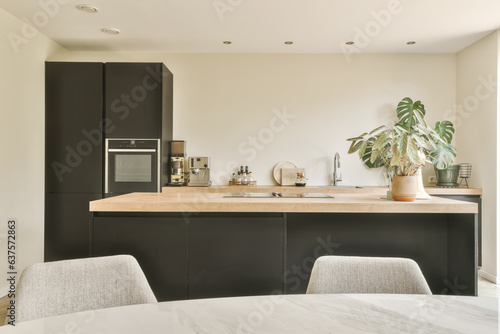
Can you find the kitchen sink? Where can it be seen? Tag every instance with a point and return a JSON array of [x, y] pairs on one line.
[[277, 195]]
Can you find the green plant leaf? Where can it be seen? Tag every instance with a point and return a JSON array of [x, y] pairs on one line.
[[374, 156], [355, 146], [410, 113], [421, 142], [403, 145], [375, 130], [395, 156], [358, 137], [443, 156], [368, 154], [362, 149], [380, 141], [412, 151], [445, 130]]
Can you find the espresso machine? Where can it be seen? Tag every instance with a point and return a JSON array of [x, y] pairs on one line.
[[199, 172], [177, 163]]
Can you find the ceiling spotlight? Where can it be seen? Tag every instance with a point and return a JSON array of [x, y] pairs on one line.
[[88, 8], [411, 42], [349, 43], [111, 31], [227, 42], [288, 42]]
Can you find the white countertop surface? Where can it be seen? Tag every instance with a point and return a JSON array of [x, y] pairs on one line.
[[301, 314]]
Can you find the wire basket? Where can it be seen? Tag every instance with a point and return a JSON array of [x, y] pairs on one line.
[[465, 170], [464, 173]]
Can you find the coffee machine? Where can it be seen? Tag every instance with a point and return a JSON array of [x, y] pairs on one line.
[[199, 172], [177, 163]]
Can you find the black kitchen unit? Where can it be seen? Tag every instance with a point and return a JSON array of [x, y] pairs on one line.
[[85, 103], [479, 201], [220, 254], [202, 255]]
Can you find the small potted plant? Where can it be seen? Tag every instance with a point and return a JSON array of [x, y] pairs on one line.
[[444, 155], [402, 148]]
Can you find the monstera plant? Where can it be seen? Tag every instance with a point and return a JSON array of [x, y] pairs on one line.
[[444, 155], [404, 146]]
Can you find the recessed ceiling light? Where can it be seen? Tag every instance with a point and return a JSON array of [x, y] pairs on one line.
[[349, 43], [411, 42], [111, 31], [227, 42], [288, 42], [88, 8]]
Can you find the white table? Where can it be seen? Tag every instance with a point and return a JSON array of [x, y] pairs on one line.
[[284, 314]]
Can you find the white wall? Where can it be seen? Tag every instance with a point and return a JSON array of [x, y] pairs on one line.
[[477, 134], [222, 100], [22, 137]]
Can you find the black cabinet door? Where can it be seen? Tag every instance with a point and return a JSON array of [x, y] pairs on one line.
[[159, 244], [134, 99], [421, 237], [474, 199], [73, 127], [67, 225], [233, 255]]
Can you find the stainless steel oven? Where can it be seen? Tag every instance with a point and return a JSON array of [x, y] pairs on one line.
[[132, 165]]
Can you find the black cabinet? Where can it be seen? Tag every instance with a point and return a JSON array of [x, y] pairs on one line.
[[208, 255], [73, 155], [158, 243], [204, 256], [73, 127], [139, 100], [474, 199], [443, 245], [84, 104], [67, 225], [235, 255]]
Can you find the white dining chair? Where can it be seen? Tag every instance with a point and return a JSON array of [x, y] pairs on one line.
[[352, 274], [61, 287]]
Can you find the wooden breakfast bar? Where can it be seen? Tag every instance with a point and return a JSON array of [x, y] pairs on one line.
[[197, 243]]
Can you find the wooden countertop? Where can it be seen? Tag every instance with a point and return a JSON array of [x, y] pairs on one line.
[[374, 190], [186, 200]]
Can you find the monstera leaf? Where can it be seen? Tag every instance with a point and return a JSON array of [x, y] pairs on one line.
[[443, 156], [410, 113], [445, 130]]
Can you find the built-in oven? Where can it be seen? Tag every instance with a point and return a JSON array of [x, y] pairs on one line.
[[132, 165]]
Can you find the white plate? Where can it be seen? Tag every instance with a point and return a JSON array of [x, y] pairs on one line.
[[277, 169]]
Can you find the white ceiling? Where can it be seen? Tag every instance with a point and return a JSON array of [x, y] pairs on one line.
[[262, 26]]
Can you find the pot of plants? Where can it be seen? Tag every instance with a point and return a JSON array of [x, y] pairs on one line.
[[404, 188], [447, 177]]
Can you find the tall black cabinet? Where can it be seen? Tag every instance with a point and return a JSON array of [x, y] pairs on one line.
[[84, 104], [73, 155]]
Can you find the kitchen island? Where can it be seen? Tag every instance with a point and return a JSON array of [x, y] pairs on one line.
[[196, 243]]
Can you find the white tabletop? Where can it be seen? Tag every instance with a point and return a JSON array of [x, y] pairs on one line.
[[284, 314]]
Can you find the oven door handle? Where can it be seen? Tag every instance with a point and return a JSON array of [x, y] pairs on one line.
[[131, 150]]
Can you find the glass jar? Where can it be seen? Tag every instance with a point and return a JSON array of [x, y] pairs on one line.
[[301, 180]]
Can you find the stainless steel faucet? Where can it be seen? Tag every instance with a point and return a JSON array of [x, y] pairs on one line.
[[336, 164]]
